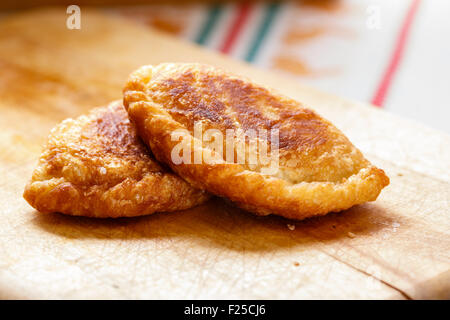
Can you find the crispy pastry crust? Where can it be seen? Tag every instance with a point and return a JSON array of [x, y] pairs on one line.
[[319, 169], [97, 166]]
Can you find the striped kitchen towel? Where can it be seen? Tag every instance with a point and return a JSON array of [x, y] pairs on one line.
[[390, 53]]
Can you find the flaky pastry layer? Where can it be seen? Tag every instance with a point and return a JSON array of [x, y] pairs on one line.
[[97, 166], [319, 168]]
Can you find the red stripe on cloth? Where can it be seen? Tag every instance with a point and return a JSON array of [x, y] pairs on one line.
[[240, 19], [386, 80]]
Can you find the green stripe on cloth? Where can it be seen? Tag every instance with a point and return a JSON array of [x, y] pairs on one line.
[[211, 21], [271, 11]]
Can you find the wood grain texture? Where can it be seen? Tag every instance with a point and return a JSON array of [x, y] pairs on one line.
[[396, 247], [27, 4]]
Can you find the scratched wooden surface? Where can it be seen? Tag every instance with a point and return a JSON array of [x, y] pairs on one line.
[[396, 247]]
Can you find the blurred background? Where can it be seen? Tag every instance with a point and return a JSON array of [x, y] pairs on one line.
[[393, 54]]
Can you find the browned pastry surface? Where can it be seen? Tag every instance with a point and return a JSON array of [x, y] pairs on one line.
[[319, 169], [97, 166]]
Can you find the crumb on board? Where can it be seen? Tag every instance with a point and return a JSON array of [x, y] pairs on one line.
[[296, 264], [291, 226], [400, 174], [351, 235], [395, 225]]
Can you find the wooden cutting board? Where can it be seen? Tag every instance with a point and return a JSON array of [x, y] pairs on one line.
[[396, 247]]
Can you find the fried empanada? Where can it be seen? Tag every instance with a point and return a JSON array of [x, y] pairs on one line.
[[97, 166], [317, 169]]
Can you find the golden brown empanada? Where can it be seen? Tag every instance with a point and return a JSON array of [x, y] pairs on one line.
[[97, 166], [317, 169]]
